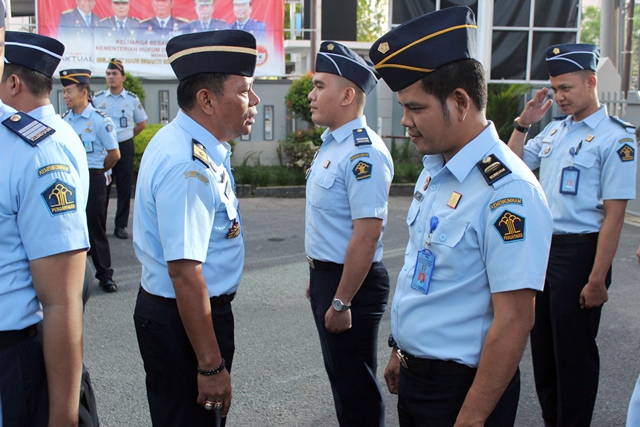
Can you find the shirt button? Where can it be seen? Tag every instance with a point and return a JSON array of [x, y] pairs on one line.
[[321, 180], [308, 202], [306, 229], [443, 237], [419, 229], [433, 187], [313, 174]]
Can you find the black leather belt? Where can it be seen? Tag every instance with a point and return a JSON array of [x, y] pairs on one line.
[[126, 140], [9, 338], [573, 239], [433, 366], [324, 265], [216, 302]]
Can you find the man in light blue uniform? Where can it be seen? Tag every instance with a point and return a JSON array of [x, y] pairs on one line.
[[98, 135], [346, 213], [187, 230], [479, 235], [43, 250], [587, 163], [130, 119]]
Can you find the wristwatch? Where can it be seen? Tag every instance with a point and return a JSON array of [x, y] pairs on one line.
[[339, 305], [391, 342], [519, 128]]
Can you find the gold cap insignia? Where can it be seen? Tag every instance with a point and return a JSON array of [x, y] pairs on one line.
[[330, 46], [486, 160], [384, 48], [15, 118], [556, 51]]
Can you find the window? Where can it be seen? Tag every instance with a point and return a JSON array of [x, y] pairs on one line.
[[163, 99], [268, 122], [62, 107]]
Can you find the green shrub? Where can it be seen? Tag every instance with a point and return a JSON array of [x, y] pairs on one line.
[[141, 141], [296, 98], [300, 147], [406, 172], [266, 176], [133, 84], [504, 103]]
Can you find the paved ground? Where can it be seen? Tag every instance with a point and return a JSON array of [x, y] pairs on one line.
[[278, 377]]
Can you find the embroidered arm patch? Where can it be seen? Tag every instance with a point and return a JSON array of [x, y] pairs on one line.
[[60, 198], [627, 153], [362, 170], [510, 227]]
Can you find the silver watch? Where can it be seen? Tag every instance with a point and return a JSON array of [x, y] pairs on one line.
[[339, 305]]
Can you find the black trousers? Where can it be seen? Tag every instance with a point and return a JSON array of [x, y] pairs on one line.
[[122, 172], [350, 358], [170, 362], [566, 363], [435, 400], [96, 223], [24, 399]]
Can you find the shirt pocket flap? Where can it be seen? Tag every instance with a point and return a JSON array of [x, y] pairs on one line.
[[545, 150], [414, 210], [326, 180], [585, 159], [448, 232]]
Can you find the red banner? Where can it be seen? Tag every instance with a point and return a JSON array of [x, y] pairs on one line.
[[94, 31]]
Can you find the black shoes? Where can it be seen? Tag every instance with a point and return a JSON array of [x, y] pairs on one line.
[[109, 285], [120, 233]]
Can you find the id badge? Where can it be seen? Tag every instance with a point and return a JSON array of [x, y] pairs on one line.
[[424, 268], [88, 146], [569, 181], [123, 122]]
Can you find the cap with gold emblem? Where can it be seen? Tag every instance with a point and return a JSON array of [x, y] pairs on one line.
[[224, 51], [566, 58], [75, 76], [115, 64], [416, 48], [338, 59], [36, 52]]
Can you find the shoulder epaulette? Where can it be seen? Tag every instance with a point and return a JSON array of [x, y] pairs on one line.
[[99, 93], [102, 113], [67, 11], [560, 117], [492, 169], [28, 128], [200, 153], [133, 18], [622, 123], [145, 20], [66, 113], [133, 94], [185, 20], [105, 19], [360, 137]]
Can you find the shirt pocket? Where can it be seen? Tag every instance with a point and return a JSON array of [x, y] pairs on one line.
[[414, 210], [545, 150], [451, 257], [323, 195], [88, 141], [585, 159]]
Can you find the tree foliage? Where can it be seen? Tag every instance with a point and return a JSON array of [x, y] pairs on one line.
[[372, 20], [296, 98], [504, 103], [133, 84], [590, 26]]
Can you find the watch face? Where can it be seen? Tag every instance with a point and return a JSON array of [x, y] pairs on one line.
[[337, 304]]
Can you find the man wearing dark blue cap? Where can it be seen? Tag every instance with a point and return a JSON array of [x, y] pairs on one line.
[[187, 230], [347, 196], [479, 235], [42, 254], [587, 163]]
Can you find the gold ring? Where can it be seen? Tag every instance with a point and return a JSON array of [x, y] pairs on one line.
[[208, 405]]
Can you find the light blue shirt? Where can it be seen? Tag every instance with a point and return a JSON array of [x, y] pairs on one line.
[[606, 170], [125, 104], [490, 238], [345, 182], [97, 133], [185, 209], [42, 213], [67, 136]]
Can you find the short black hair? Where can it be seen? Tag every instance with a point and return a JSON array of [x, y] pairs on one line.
[[467, 74], [40, 85], [189, 87], [87, 87]]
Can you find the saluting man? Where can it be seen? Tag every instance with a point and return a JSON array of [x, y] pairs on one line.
[[98, 135], [479, 234], [346, 213], [125, 109], [187, 231], [587, 163], [43, 249]]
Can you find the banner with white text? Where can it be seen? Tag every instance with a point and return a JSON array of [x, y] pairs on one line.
[[136, 32]]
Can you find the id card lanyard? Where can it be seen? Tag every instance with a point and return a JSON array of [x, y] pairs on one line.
[[425, 262], [571, 174]]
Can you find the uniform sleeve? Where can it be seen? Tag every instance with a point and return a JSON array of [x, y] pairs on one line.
[[186, 208], [108, 135], [139, 115], [518, 228], [618, 175], [51, 210], [531, 150], [368, 177]]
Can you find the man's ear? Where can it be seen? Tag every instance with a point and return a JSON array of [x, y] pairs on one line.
[[15, 84], [461, 103], [206, 101], [348, 96]]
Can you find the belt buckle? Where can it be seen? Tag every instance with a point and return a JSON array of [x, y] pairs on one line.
[[310, 261], [403, 358]]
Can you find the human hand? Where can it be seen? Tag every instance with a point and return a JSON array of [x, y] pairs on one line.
[[392, 372], [536, 108], [593, 295], [215, 389], [337, 321]]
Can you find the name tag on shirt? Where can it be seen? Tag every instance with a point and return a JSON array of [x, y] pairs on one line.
[[424, 269], [569, 181], [123, 122]]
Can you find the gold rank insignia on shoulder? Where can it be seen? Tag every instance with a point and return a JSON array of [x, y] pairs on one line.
[[234, 231], [361, 138], [200, 153], [454, 200], [15, 118], [589, 138], [492, 169], [383, 48], [510, 226], [26, 127]]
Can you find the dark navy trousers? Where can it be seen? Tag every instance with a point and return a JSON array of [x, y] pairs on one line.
[[350, 358]]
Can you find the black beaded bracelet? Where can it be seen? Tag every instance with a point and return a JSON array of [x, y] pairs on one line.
[[209, 372]]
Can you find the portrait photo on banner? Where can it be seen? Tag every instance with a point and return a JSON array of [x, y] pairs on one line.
[[137, 31]]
